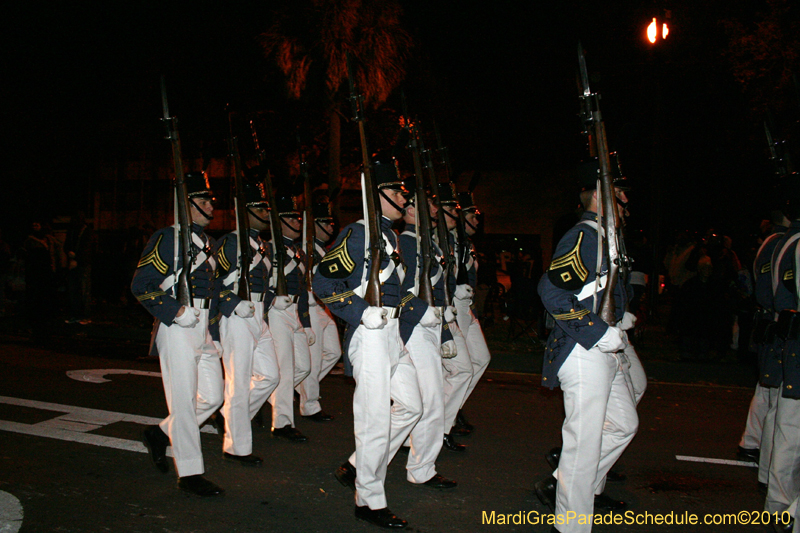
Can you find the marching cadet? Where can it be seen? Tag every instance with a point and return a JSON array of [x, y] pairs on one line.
[[458, 370], [327, 350], [427, 344], [756, 442], [463, 297], [585, 357], [386, 401], [251, 366], [783, 485], [289, 322], [189, 357]]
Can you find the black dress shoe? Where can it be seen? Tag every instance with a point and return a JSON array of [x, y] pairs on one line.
[[748, 454], [156, 442], [463, 427], [258, 420], [289, 433], [199, 486], [440, 482], [546, 492], [247, 460], [606, 503], [346, 474], [452, 445], [783, 527], [552, 457], [321, 416], [219, 422], [380, 517]]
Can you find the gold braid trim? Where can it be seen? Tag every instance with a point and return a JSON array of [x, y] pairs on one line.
[[407, 298], [572, 259], [337, 297], [150, 295], [215, 319], [573, 315], [224, 263]]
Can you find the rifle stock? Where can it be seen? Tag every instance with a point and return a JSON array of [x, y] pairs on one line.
[[370, 191], [274, 222], [308, 218], [183, 288], [441, 225], [462, 277], [242, 221]]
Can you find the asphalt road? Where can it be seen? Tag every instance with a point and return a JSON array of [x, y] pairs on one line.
[[71, 457]]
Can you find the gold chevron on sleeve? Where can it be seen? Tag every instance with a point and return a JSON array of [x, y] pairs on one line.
[[340, 253], [224, 263], [154, 259], [572, 261], [150, 295], [574, 315], [766, 268], [789, 274]]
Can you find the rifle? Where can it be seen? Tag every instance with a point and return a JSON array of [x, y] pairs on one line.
[[242, 221], [423, 212], [777, 155], [184, 216], [274, 222], [462, 277], [372, 216], [309, 230], [441, 226], [596, 130]]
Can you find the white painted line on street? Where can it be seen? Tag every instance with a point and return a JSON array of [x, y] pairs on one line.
[[715, 461], [77, 422], [96, 375], [10, 513]]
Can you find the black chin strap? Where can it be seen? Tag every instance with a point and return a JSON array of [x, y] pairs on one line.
[[326, 232], [391, 203], [257, 217], [474, 228], [208, 217], [283, 221]]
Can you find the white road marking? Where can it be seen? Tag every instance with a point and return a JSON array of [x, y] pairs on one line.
[[96, 375], [10, 513], [75, 424], [715, 461]]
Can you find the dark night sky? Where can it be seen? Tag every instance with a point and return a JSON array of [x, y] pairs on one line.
[[82, 79]]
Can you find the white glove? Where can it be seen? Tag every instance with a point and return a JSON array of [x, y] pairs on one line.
[[374, 318], [245, 309], [627, 322], [311, 337], [464, 292], [449, 350], [431, 318], [281, 303], [449, 314], [613, 340], [312, 302], [189, 318]]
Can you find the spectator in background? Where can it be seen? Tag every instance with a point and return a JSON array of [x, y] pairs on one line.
[[79, 247], [38, 252]]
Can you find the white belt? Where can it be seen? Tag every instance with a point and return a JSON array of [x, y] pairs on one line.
[[257, 297], [201, 303], [392, 312]]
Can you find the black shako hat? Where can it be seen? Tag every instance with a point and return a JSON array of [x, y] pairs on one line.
[[387, 176], [447, 194], [255, 196], [197, 185], [287, 206], [467, 202], [321, 209]]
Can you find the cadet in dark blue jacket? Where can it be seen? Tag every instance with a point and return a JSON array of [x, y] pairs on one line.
[[289, 321], [584, 356], [386, 401], [189, 356], [251, 366]]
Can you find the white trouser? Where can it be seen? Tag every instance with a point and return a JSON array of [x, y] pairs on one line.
[[428, 434], [751, 438], [476, 343], [768, 434], [251, 374], [386, 405], [600, 422], [784, 468], [294, 362], [638, 377], [192, 379], [325, 353], [457, 377]]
